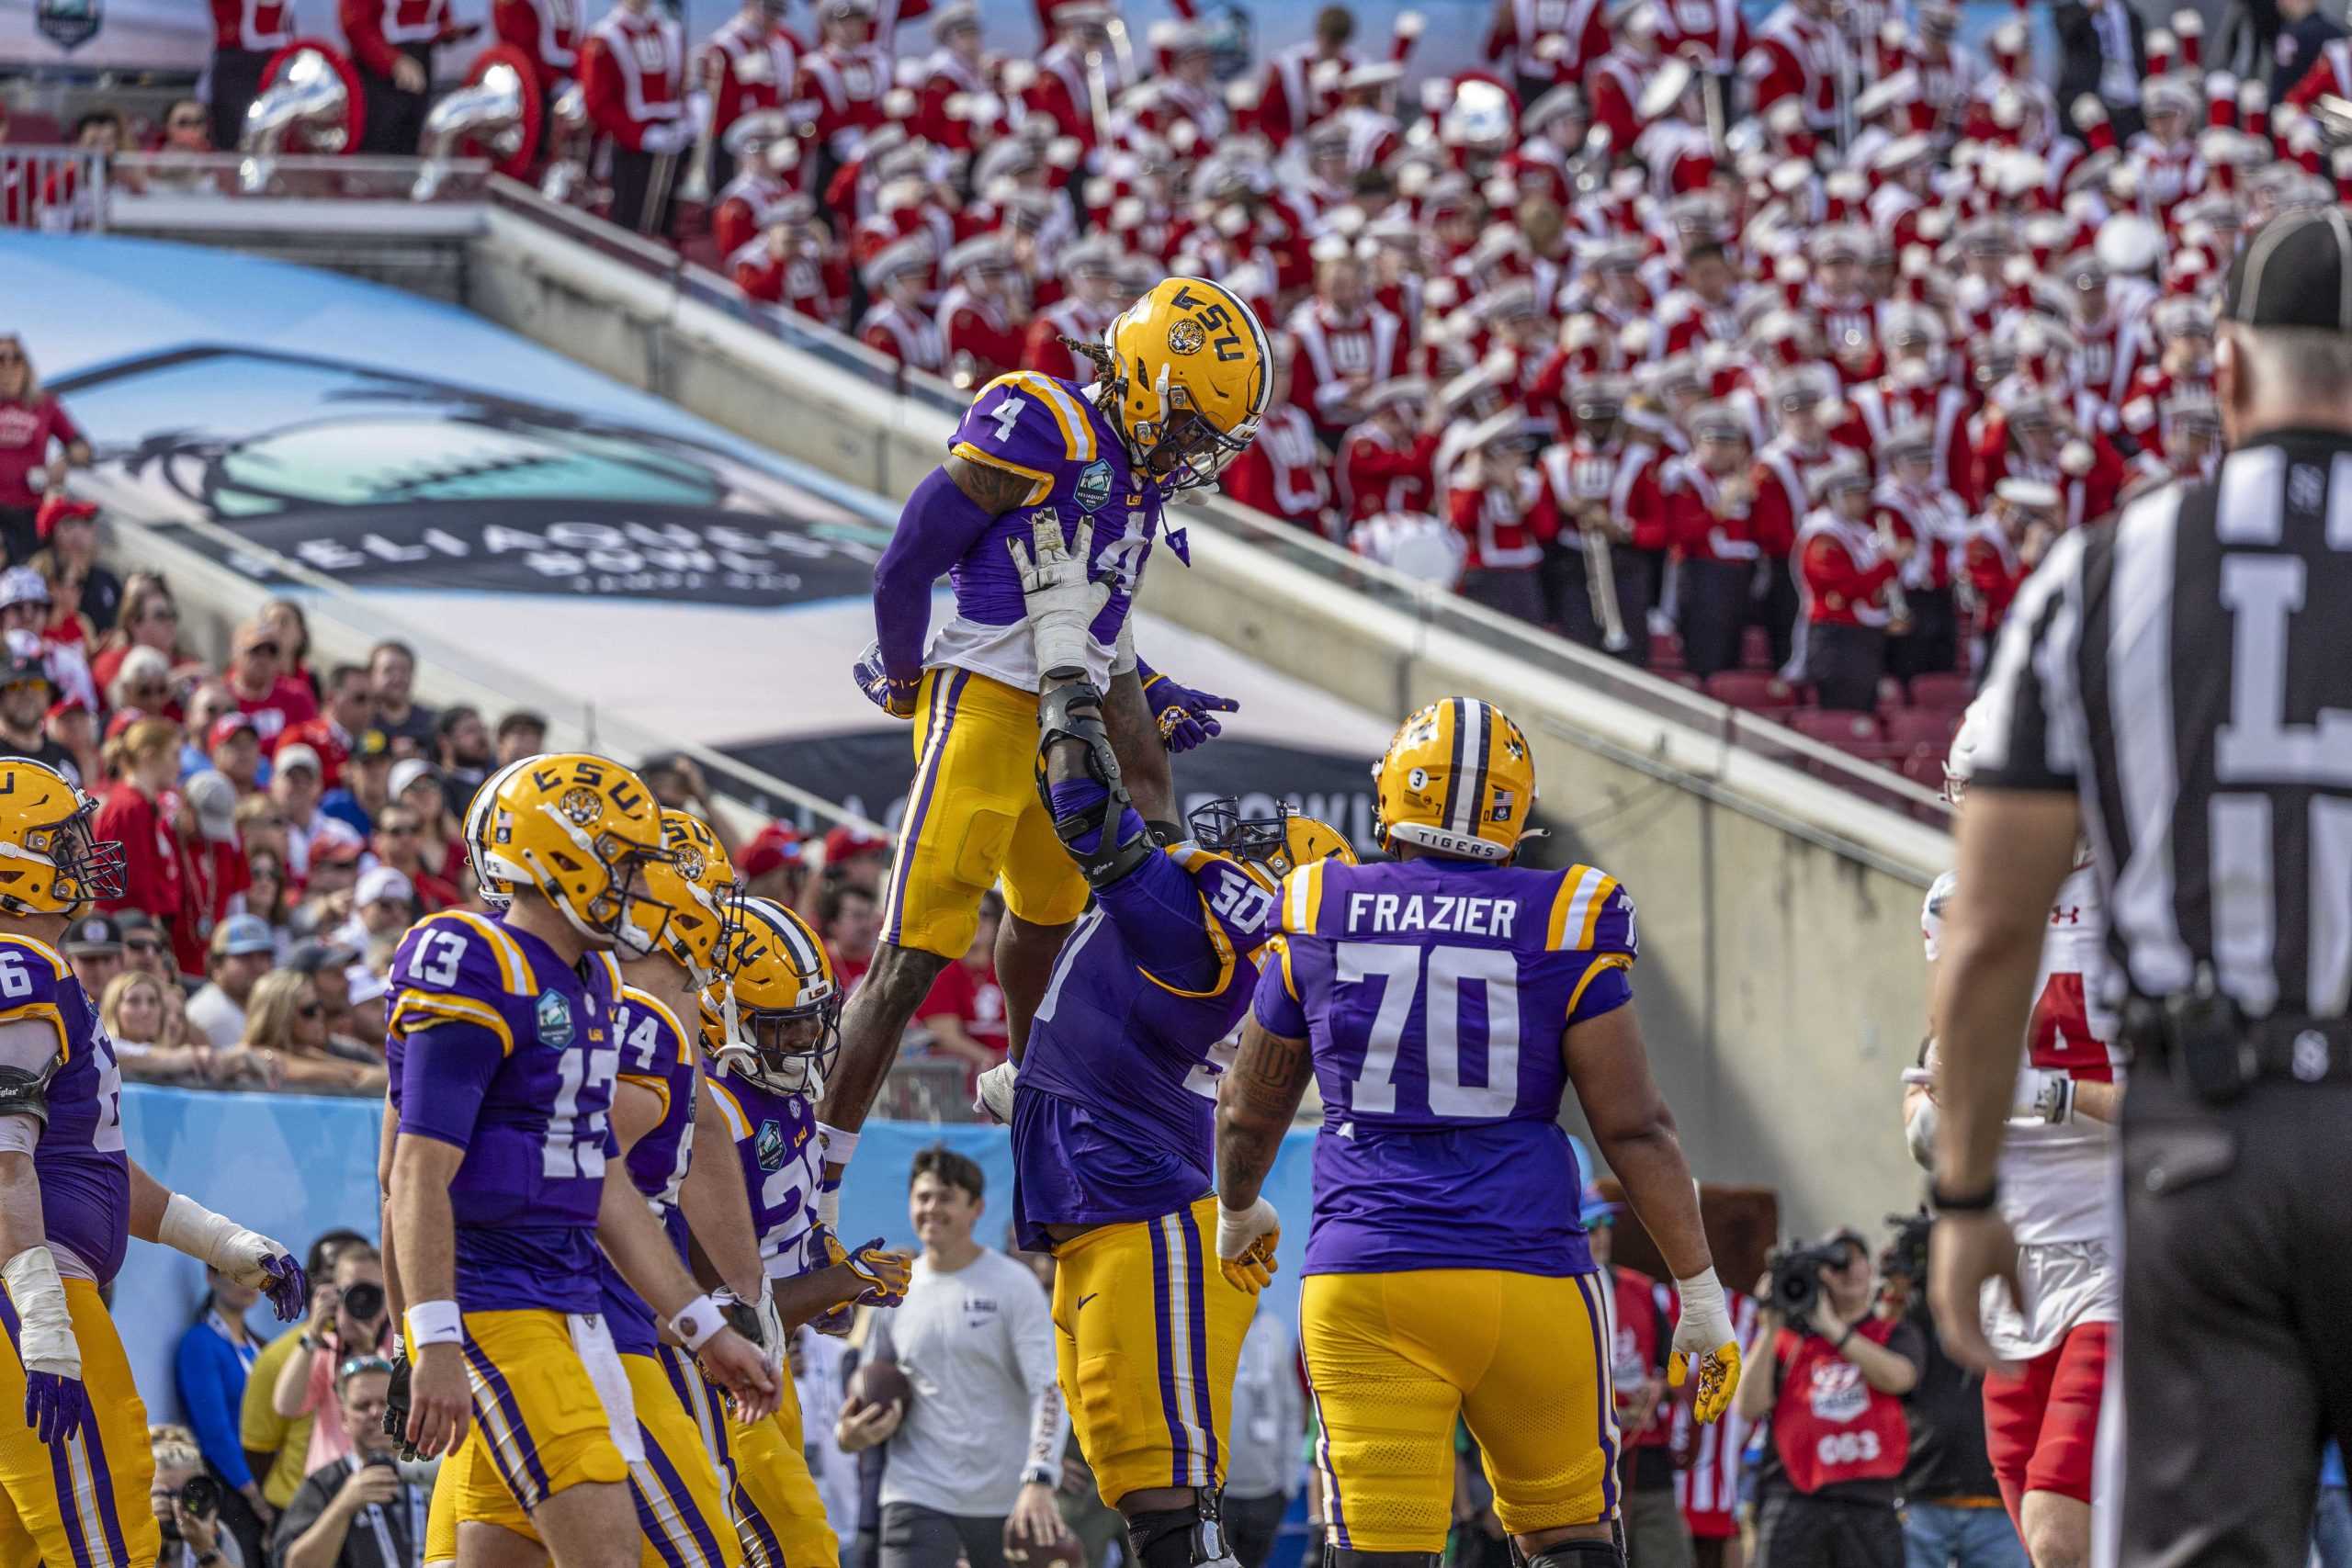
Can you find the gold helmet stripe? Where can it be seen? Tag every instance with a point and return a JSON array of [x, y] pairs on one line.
[[799, 950]]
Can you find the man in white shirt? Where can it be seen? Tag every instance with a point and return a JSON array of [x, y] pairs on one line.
[[974, 1456], [243, 950]]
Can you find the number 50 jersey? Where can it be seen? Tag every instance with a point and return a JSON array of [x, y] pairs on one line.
[[1435, 993]]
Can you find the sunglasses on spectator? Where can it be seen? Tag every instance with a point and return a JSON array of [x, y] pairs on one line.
[[11, 359], [186, 123], [310, 1010], [358, 1364], [400, 830], [141, 944], [162, 613], [263, 646]]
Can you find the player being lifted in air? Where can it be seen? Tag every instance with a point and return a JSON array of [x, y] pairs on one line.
[[770, 1034], [506, 1177], [1443, 1004], [74, 1472], [1113, 1102], [1181, 381]]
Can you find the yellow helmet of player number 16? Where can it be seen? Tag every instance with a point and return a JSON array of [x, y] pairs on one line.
[[49, 864], [582, 830], [1459, 779], [785, 1028], [1189, 379]]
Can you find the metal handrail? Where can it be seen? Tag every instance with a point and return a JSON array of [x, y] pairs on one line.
[[54, 189], [1429, 605]]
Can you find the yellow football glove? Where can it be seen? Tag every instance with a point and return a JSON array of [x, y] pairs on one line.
[[1705, 1336], [1246, 1239]]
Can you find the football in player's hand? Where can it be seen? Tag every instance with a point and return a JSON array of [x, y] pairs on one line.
[[1068, 1552], [879, 1382]]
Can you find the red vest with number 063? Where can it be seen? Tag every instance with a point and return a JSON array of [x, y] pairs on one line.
[[1829, 1424]]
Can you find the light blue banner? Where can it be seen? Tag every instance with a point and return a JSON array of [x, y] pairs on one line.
[[293, 1165]]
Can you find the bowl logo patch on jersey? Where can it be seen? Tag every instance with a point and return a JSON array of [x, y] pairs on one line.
[[1094, 485], [553, 1016], [769, 1146]]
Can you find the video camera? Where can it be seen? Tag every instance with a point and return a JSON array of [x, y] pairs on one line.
[[1796, 1277], [1905, 1254]]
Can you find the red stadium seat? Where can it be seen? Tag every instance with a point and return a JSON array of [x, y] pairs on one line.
[[1953, 691], [1925, 769], [1756, 648], [1929, 727], [1837, 729], [1755, 690]]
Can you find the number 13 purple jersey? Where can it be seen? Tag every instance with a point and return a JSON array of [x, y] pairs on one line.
[[1434, 994]]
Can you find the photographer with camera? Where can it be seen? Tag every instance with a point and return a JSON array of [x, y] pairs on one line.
[[1952, 1504], [347, 1319], [186, 1504], [1839, 1375], [359, 1511]]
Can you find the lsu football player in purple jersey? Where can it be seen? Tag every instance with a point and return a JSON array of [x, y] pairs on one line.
[[506, 1176], [1444, 1004], [73, 1477], [1182, 380], [771, 1032], [1112, 1107]]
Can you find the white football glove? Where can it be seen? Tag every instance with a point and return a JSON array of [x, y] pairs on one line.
[[1703, 1337], [2043, 1098], [1246, 1239], [995, 1092], [1061, 602]]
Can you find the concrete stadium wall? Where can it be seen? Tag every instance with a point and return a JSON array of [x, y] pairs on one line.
[[1782, 987]]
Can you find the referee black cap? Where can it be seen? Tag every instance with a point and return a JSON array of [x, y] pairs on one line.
[[2295, 271]]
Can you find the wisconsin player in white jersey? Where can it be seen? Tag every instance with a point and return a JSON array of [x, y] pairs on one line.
[[2042, 1419]]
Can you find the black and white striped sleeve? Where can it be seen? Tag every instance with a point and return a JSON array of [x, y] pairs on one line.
[[2030, 729]]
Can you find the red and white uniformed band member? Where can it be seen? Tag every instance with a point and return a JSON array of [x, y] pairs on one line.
[[1710, 498], [1385, 460], [632, 73], [2057, 1165], [1346, 342], [896, 323], [1799, 53], [2004, 547], [954, 77], [1708, 1486], [547, 32], [1541, 43], [1285, 472], [392, 43], [844, 80], [982, 313], [1496, 498], [748, 66], [766, 154], [791, 264], [245, 33], [1843, 574], [1301, 84]]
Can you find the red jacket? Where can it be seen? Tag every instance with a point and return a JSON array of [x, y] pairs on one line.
[[1843, 573], [546, 30], [26, 432], [151, 859], [211, 876], [746, 67], [632, 73], [982, 329], [1285, 473], [1504, 531], [321, 735], [1701, 521], [1339, 357], [1377, 475], [1995, 572], [380, 31], [257, 26]]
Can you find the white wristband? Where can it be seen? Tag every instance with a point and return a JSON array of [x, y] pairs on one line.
[[436, 1323], [45, 1341], [696, 1322], [839, 1144], [189, 1226]]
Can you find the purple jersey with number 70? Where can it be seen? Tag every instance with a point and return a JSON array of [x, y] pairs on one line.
[[1435, 993]]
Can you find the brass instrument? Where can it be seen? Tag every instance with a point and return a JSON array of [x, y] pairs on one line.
[[1601, 576]]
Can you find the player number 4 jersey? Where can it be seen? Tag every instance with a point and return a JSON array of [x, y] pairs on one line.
[[1048, 432], [2054, 1179], [1435, 995]]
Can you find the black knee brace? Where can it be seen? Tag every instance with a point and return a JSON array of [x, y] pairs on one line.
[[1349, 1557], [1576, 1554], [1178, 1538]]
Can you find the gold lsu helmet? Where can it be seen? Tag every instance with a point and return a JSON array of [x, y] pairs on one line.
[[1189, 379], [1267, 848], [50, 863], [1459, 779], [582, 830], [480, 813], [704, 896], [776, 1021]]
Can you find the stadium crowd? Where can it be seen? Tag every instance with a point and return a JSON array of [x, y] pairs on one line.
[[1769, 355], [284, 822]]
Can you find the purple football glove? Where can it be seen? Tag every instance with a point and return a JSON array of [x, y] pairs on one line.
[[894, 694], [55, 1407], [1186, 716], [288, 1287]]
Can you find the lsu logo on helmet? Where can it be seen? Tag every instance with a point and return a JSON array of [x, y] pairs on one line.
[[1457, 779], [705, 897], [777, 1018], [582, 830], [1190, 375], [50, 863]]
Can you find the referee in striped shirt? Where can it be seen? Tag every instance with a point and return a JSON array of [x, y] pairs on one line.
[[2177, 689]]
